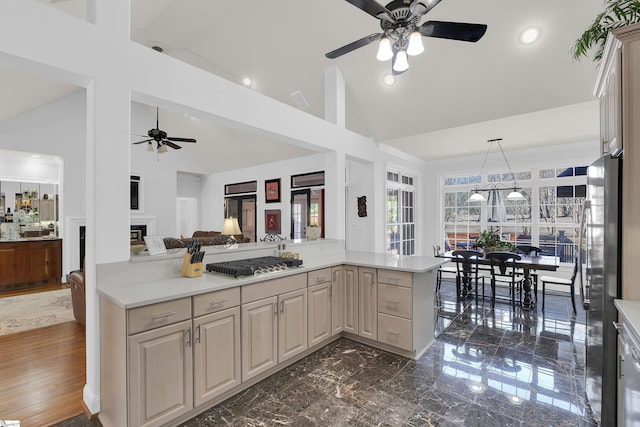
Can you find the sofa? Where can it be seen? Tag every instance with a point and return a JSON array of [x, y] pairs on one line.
[[206, 238]]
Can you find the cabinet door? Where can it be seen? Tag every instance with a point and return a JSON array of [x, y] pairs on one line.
[[368, 303], [337, 312], [45, 261], [160, 374], [7, 261], [350, 299], [319, 313], [22, 264], [216, 354], [292, 325], [259, 337]]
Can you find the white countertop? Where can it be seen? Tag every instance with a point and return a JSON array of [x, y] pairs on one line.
[[631, 311], [134, 284]]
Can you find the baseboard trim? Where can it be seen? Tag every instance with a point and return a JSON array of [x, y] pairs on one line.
[[90, 401]]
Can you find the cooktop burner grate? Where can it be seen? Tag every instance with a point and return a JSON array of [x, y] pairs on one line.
[[251, 266]]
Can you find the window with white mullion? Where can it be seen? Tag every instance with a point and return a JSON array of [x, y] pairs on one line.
[[548, 218], [400, 227]]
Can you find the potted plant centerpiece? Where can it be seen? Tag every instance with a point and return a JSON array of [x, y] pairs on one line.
[[491, 241]]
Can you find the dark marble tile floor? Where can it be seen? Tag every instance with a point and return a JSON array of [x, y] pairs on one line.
[[500, 367]]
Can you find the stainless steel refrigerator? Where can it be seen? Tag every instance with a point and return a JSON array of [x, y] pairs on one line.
[[600, 283]]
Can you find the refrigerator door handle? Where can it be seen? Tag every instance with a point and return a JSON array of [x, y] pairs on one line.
[[581, 244]]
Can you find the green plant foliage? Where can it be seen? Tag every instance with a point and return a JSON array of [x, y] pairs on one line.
[[617, 13], [492, 240]]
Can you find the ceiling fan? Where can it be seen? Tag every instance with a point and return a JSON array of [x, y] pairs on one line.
[[402, 33], [161, 139]]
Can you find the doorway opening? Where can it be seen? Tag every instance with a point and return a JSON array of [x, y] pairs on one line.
[[243, 208], [307, 207]]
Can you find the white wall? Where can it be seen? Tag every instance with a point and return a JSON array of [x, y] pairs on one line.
[[212, 214], [360, 231], [57, 129]]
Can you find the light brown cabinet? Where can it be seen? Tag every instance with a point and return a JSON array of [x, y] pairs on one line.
[[274, 323], [259, 337], [319, 313], [337, 304], [216, 361], [160, 374], [368, 303], [395, 308], [350, 299], [292, 324], [618, 87]]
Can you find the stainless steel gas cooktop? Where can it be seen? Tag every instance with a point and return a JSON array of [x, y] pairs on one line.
[[251, 266]]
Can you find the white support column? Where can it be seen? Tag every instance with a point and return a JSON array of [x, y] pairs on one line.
[[334, 96], [108, 160], [334, 210]]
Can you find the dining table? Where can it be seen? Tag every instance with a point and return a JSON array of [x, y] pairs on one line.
[[527, 263]]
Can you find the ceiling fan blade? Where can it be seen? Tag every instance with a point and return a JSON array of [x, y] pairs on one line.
[[453, 30], [353, 45], [171, 144], [174, 138], [142, 142], [372, 7]]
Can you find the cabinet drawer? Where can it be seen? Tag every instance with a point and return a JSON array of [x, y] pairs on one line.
[[269, 288], [318, 276], [215, 301], [394, 300], [156, 315], [395, 331], [394, 277]]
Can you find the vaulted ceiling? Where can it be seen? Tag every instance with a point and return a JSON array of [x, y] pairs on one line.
[[456, 92]]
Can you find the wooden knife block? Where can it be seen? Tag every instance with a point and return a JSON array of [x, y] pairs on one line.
[[191, 270]]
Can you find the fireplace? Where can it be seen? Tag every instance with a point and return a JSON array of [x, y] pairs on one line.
[[140, 227]]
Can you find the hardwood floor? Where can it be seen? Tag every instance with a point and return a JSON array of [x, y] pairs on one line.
[[42, 374]]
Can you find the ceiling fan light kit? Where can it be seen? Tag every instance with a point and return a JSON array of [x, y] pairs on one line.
[[384, 50], [402, 33], [161, 139], [400, 62]]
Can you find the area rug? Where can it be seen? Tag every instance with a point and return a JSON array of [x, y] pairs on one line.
[[24, 312]]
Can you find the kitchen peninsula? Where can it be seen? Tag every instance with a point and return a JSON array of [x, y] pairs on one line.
[[176, 346]]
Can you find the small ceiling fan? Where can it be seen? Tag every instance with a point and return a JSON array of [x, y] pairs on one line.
[[401, 30], [161, 139]]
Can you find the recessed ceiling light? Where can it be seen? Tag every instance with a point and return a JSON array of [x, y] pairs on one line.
[[246, 81], [35, 156], [389, 79], [530, 35]]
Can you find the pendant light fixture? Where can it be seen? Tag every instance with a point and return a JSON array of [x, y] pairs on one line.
[[515, 194]]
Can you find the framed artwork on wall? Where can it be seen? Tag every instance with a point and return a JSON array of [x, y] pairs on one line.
[[272, 221], [272, 190]]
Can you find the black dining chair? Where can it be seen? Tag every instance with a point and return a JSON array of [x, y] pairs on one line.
[[552, 280], [467, 272], [530, 251], [503, 273], [444, 269]]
